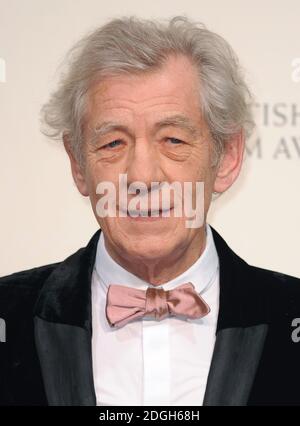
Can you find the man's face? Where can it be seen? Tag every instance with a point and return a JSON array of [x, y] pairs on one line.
[[151, 129]]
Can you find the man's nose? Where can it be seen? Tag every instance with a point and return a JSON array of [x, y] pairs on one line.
[[144, 164]]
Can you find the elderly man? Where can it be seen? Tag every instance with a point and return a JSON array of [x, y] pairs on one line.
[[154, 310]]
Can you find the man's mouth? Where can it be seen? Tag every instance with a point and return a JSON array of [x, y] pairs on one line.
[[147, 213]]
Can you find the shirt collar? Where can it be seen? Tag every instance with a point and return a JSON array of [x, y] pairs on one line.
[[201, 273]]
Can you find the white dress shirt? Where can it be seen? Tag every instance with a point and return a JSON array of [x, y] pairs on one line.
[[150, 362]]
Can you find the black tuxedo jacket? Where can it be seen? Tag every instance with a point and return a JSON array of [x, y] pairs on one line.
[[47, 360]]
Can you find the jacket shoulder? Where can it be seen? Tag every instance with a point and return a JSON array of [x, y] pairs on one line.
[[19, 291], [279, 290], [27, 279], [278, 280], [262, 294]]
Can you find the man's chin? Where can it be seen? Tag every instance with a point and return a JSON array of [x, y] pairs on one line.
[[150, 248], [145, 242]]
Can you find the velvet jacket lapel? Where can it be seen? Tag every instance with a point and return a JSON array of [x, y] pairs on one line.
[[241, 331], [63, 331]]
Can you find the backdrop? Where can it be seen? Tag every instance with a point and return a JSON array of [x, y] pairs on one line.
[[44, 218]]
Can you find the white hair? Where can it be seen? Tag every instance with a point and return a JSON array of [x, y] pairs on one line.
[[133, 45]]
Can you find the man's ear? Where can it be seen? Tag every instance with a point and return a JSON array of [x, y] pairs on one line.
[[231, 162], [77, 170]]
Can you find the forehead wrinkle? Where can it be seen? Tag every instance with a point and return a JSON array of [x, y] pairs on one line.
[[175, 120], [128, 104]]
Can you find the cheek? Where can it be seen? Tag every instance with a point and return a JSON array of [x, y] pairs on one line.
[[96, 173], [197, 171], [202, 171], [102, 183], [203, 166]]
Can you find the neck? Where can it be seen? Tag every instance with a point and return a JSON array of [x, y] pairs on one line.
[[163, 269]]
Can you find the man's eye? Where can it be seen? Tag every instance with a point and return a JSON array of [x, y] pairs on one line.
[[175, 141], [113, 144]]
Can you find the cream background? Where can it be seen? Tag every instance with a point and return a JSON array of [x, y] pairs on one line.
[[43, 217]]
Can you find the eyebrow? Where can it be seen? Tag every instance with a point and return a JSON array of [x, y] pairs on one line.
[[105, 128], [180, 121], [176, 120]]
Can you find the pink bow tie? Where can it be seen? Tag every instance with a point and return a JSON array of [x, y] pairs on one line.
[[124, 304]]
